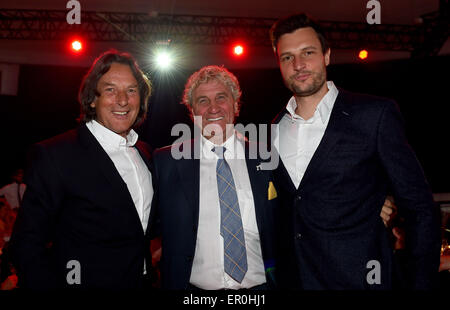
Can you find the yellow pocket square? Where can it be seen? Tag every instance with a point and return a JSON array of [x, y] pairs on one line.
[[271, 191]]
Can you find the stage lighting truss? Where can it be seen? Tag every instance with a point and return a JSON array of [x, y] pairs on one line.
[[421, 39]]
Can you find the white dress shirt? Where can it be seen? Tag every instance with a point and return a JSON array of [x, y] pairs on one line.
[[13, 193], [130, 166], [208, 265], [297, 139]]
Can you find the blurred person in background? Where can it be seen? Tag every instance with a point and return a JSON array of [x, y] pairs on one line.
[[13, 192], [340, 154]]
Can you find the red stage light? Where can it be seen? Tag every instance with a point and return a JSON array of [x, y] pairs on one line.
[[238, 50], [76, 46], [363, 54]]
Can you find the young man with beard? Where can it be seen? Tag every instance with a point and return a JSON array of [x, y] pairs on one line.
[[340, 151]]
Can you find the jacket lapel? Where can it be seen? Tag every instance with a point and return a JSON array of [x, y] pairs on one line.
[[258, 185], [101, 160], [259, 182], [284, 177], [189, 173], [338, 120], [145, 154], [107, 168], [281, 171], [280, 115]]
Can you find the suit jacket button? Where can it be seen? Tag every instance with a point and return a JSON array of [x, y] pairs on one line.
[[298, 198], [298, 236]]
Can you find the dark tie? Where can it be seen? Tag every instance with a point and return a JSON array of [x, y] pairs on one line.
[[235, 256]]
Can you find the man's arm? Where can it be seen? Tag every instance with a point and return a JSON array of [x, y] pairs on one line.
[[412, 196], [35, 223]]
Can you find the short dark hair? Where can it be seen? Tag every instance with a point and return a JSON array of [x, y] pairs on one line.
[[293, 22], [88, 89]]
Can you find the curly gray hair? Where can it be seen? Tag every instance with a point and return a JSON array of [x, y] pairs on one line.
[[206, 74]]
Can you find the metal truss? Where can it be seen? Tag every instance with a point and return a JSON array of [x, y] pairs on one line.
[[190, 29]]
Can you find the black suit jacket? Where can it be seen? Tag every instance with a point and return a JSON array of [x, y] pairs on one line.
[[77, 201], [331, 234], [177, 190]]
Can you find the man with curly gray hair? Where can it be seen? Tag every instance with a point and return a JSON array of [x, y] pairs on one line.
[[207, 74], [216, 211], [213, 117]]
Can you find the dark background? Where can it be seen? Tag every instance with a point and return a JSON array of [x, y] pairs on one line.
[[47, 105]]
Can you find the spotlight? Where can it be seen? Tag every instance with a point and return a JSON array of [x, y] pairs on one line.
[[76, 46], [163, 60], [238, 50], [363, 54]]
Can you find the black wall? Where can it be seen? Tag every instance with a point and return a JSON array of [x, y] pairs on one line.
[[47, 105]]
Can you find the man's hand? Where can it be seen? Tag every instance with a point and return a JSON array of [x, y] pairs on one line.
[[388, 211], [445, 263]]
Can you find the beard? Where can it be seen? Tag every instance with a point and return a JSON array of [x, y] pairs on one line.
[[318, 79]]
